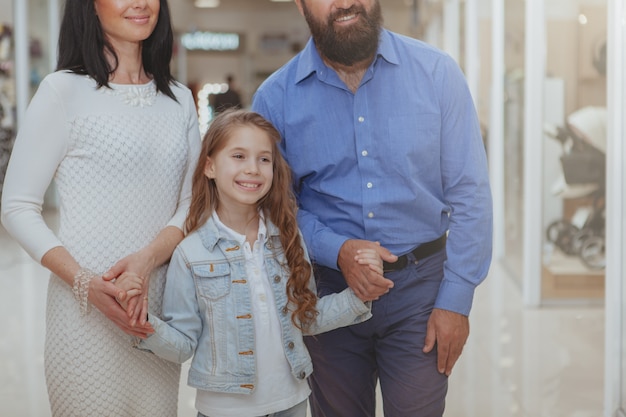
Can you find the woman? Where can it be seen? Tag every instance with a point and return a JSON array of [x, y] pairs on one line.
[[120, 138]]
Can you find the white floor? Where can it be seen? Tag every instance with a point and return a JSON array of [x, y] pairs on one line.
[[518, 362]]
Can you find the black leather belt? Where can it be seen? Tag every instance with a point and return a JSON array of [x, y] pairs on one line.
[[422, 251]]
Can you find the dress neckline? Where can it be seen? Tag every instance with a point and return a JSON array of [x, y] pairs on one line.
[[134, 95]]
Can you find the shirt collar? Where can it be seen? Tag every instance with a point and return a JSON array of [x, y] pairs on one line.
[[310, 60], [228, 233], [210, 233]]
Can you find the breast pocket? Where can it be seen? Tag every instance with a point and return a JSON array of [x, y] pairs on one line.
[[415, 143], [212, 280], [420, 131]]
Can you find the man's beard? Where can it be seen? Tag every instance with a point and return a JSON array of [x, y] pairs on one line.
[[349, 45]]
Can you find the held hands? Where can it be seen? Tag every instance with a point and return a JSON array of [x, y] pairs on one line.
[[138, 264], [360, 262], [131, 285], [102, 295], [371, 258]]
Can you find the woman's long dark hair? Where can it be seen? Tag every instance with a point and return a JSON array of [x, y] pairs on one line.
[[83, 47]]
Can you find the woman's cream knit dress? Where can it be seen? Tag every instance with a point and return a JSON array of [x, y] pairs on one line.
[[121, 159]]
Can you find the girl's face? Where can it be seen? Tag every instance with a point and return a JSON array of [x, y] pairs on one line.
[[243, 170], [127, 21]]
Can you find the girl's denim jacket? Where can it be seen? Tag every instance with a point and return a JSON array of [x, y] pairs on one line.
[[207, 312]]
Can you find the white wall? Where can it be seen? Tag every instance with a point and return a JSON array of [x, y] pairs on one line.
[[6, 11]]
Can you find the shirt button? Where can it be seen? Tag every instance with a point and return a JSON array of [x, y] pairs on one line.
[[370, 185], [364, 153], [277, 279], [361, 119], [370, 215], [291, 345]]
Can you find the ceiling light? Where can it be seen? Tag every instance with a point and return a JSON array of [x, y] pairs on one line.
[[205, 4]]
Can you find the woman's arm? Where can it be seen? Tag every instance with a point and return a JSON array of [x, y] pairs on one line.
[[40, 146]]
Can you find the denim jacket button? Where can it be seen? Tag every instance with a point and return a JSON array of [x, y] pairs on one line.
[[277, 279], [285, 310], [302, 375], [291, 345]]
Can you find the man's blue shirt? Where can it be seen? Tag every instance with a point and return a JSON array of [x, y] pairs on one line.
[[401, 161]]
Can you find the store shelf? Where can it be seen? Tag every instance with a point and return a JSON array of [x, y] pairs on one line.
[[567, 277]]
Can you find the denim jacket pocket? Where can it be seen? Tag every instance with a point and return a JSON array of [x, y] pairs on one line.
[[212, 280]]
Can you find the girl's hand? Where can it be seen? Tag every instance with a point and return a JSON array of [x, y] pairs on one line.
[[371, 258], [102, 295], [140, 264], [131, 284]]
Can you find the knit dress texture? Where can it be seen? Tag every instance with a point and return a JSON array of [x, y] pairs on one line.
[[121, 160]]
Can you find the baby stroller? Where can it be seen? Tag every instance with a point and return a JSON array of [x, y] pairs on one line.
[[583, 162]]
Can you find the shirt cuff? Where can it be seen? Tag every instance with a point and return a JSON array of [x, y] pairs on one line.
[[325, 250], [455, 297]]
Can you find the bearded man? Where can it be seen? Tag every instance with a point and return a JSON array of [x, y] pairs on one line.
[[384, 142]]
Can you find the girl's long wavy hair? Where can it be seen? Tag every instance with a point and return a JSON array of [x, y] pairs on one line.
[[83, 46], [279, 205]]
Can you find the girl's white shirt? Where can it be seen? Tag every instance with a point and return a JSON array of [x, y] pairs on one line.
[[276, 388]]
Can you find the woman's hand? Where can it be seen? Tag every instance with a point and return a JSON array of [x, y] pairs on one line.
[[131, 284], [139, 264], [142, 263], [102, 295]]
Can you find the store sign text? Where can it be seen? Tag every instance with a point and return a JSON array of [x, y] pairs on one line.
[[210, 41]]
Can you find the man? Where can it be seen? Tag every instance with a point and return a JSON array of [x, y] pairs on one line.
[[385, 146]]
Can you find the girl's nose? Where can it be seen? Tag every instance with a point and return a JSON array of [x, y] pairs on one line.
[[252, 168]]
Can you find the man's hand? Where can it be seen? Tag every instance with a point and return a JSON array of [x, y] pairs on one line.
[[366, 282], [450, 331]]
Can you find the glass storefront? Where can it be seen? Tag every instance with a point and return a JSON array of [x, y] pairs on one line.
[[514, 45], [574, 153]]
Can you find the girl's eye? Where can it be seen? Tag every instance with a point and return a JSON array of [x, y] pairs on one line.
[[238, 156], [267, 160]]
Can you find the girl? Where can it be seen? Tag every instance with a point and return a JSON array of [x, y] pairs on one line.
[[240, 291]]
